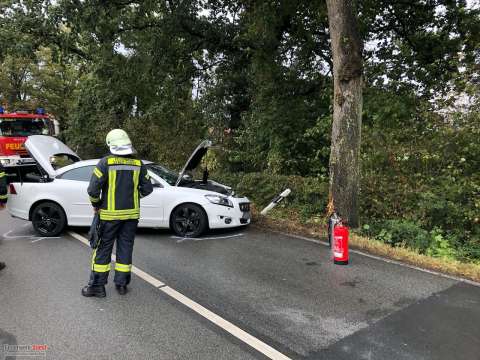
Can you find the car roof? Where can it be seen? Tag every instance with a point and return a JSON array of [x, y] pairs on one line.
[[77, 164], [82, 163]]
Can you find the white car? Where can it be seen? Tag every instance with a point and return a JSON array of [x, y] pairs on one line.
[[54, 195]]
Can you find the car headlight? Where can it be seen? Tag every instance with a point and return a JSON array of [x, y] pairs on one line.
[[219, 200]]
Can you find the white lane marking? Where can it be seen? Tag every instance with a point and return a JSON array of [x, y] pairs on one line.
[[226, 325], [390, 261], [147, 277], [8, 236], [43, 238], [36, 238], [180, 239], [234, 330], [79, 237], [140, 273]]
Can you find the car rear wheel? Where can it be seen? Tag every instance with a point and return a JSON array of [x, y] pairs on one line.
[[188, 220], [48, 219]]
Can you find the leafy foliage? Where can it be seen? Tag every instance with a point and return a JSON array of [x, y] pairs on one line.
[[255, 77]]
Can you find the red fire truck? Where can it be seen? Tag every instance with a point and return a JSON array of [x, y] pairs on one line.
[[15, 127]]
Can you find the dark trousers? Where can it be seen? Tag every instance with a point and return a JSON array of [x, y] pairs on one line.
[[124, 232]]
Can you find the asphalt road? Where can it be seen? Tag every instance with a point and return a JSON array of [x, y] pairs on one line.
[[283, 291]]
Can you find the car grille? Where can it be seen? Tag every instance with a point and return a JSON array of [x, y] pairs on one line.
[[245, 207]]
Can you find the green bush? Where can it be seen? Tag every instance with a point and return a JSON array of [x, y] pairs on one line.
[[400, 233], [442, 206], [425, 173], [309, 195], [404, 233], [435, 219], [442, 246]]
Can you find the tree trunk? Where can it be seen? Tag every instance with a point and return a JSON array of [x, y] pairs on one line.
[[347, 49]]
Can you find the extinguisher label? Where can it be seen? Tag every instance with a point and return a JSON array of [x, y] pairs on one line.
[[338, 248], [340, 245]]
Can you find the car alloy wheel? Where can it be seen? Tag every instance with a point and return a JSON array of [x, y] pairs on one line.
[[48, 219], [189, 220]]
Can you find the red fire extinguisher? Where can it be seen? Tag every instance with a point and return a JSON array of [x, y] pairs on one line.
[[338, 240]]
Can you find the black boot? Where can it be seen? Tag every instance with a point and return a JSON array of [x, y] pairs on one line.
[[2, 265], [121, 289], [94, 290]]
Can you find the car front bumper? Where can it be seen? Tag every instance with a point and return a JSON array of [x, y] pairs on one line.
[[220, 216]]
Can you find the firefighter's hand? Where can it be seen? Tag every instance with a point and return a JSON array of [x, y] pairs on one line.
[[2, 206], [95, 210]]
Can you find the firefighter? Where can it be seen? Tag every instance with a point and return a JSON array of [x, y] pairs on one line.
[[118, 182], [3, 196]]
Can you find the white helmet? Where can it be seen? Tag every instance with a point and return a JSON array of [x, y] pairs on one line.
[[119, 142]]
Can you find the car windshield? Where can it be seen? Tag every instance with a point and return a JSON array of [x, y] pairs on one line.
[[168, 175], [22, 127], [61, 160]]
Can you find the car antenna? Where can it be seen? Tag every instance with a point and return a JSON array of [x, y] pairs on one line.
[[205, 171], [205, 175]]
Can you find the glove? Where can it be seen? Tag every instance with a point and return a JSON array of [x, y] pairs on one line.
[[94, 233]]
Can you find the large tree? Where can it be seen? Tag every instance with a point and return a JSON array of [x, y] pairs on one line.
[[347, 48]]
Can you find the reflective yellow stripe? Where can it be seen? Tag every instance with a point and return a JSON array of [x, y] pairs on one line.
[[123, 267], [101, 268], [94, 199], [97, 172], [120, 217], [114, 184], [112, 179], [2, 174], [109, 195], [124, 161], [93, 257], [3, 197], [119, 212], [136, 176]]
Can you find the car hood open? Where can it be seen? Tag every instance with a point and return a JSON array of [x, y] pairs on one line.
[[42, 148], [194, 159]]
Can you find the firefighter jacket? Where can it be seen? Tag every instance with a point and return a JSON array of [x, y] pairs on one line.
[[3, 185], [116, 186]]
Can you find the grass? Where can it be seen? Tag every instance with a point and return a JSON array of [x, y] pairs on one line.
[[289, 221]]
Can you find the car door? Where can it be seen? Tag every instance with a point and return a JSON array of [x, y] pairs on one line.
[[74, 183], [151, 207]]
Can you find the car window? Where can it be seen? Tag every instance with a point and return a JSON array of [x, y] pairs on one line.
[[168, 175], [83, 173], [60, 160], [155, 183]]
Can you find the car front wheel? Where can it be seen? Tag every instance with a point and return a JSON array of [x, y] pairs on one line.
[[188, 220], [48, 219]]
